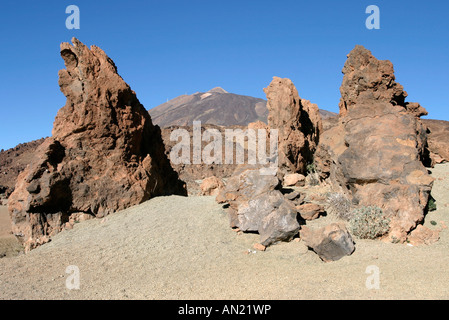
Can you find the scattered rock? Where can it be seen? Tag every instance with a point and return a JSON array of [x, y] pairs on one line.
[[259, 247], [295, 196], [331, 243], [294, 179], [310, 211], [210, 186], [423, 235]]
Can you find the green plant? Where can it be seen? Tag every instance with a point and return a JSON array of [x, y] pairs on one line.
[[369, 223], [431, 205], [311, 168]]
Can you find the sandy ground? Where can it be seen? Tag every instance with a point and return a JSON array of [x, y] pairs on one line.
[[182, 248], [9, 245]]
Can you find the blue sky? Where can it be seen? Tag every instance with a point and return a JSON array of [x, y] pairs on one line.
[[167, 48]]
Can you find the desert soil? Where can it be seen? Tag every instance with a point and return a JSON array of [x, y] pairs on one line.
[[182, 248]]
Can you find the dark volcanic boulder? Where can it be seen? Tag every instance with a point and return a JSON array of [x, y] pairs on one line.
[[376, 154], [104, 154], [256, 205], [331, 242]]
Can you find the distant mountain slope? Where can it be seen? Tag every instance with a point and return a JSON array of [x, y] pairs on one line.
[[216, 106]]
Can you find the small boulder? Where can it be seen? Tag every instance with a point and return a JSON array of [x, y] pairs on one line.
[[211, 186], [423, 235], [310, 211], [259, 247], [295, 196], [331, 242], [294, 179]]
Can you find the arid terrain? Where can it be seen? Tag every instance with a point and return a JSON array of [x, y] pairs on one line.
[[347, 206], [181, 248]]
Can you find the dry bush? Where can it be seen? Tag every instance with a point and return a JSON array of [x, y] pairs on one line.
[[339, 205]]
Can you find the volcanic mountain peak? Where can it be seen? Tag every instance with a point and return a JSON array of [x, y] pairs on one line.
[[217, 106], [217, 90]]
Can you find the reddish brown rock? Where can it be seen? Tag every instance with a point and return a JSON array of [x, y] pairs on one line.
[[211, 186], [12, 162], [258, 125], [438, 140], [104, 154], [310, 211], [376, 154], [423, 235], [259, 247], [299, 124], [294, 179]]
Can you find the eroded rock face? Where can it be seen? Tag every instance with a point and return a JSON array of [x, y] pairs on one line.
[[376, 152], [104, 154], [299, 124], [438, 139]]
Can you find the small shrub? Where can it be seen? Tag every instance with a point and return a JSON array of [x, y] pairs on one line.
[[339, 205], [311, 168], [431, 205], [369, 223]]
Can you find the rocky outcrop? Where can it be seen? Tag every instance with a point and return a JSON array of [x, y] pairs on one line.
[[376, 153], [298, 122], [12, 162], [104, 154], [438, 140]]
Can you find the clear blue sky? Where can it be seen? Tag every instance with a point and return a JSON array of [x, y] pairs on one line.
[[167, 48]]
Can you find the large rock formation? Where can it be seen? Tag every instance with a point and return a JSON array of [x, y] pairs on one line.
[[298, 122], [376, 152], [104, 154]]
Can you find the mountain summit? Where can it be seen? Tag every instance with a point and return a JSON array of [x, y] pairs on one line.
[[218, 90], [216, 106]]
